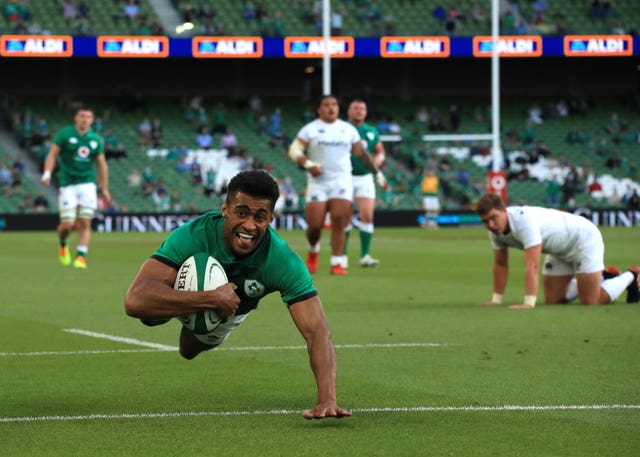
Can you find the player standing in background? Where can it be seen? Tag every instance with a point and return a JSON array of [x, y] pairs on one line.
[[329, 143], [430, 187], [364, 187], [257, 262], [80, 151], [573, 245]]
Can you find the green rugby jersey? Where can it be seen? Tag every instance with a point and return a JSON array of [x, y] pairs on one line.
[[273, 266], [371, 136], [77, 154]]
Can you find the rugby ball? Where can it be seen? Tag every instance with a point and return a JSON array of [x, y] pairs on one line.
[[200, 272]]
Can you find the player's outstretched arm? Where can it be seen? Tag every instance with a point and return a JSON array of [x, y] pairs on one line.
[[500, 276], [311, 321]]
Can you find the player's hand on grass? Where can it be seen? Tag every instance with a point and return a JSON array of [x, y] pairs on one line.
[[323, 410], [521, 306]]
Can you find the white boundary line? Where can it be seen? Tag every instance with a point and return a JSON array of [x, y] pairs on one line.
[[279, 412], [120, 339], [156, 347]]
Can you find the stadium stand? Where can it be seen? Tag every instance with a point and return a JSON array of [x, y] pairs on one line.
[[408, 158], [87, 17]]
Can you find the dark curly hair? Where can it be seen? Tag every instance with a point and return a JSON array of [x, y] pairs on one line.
[[256, 183]]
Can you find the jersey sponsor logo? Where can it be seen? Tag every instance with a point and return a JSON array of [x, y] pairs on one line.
[[253, 288], [407, 46], [336, 143], [36, 46], [227, 47], [133, 46], [598, 45], [84, 152], [508, 46], [305, 46]]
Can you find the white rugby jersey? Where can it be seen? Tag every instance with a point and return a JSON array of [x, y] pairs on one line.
[[330, 145], [559, 232]]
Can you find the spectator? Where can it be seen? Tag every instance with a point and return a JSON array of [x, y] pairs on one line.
[[161, 199], [113, 149], [26, 205], [229, 141], [156, 133], [5, 178], [40, 203], [633, 202], [275, 122], [336, 21], [552, 191], [69, 10], [248, 12], [183, 166], [219, 118], [595, 188], [134, 179], [144, 132], [464, 177], [175, 203], [196, 173], [613, 161], [454, 117], [570, 187], [204, 138]]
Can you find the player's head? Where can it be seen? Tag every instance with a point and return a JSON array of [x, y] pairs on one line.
[[248, 210], [83, 119], [357, 112], [328, 108], [493, 213]]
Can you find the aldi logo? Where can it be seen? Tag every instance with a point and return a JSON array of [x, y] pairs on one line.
[[598, 45], [226, 47], [508, 46], [133, 46], [36, 46], [408, 46], [339, 47]]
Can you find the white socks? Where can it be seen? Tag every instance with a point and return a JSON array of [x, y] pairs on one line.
[[615, 286]]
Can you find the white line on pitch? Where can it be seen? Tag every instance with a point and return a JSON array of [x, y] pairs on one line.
[[163, 348], [121, 339], [278, 412]]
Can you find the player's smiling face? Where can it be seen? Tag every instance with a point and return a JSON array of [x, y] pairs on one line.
[[246, 222]]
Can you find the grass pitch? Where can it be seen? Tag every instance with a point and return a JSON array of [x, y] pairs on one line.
[[425, 370]]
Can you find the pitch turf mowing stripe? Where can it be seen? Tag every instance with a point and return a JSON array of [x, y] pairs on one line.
[[278, 412]]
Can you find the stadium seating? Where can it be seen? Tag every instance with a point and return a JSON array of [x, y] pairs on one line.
[[404, 169], [48, 15]]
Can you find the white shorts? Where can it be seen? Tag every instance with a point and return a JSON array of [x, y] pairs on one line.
[[430, 203], [78, 196], [586, 257], [322, 190], [221, 332], [363, 186]]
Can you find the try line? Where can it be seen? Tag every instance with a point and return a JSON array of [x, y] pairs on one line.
[[280, 412], [155, 347]]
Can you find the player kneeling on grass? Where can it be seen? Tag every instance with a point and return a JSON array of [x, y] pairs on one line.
[[257, 262], [574, 265]]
